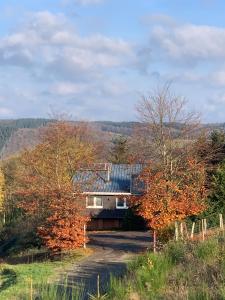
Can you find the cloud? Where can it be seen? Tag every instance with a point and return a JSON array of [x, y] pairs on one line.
[[49, 41], [218, 77], [184, 42], [86, 2], [83, 2], [5, 112], [50, 63]]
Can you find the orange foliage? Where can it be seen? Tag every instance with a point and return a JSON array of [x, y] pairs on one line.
[[64, 227], [45, 186], [169, 199]]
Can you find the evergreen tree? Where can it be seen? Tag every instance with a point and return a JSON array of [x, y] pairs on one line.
[[2, 198], [2, 190], [216, 199], [218, 138], [217, 144], [119, 153]]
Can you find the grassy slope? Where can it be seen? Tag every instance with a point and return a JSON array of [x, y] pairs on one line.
[[18, 280], [182, 271]]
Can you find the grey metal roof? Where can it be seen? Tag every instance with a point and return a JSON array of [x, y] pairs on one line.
[[120, 180]]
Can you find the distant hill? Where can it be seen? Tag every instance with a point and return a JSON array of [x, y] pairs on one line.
[[124, 128], [18, 132], [16, 135]]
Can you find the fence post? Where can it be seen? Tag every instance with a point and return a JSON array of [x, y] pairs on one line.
[[85, 236], [176, 231], [192, 230], [182, 230], [203, 231], [31, 288], [154, 241], [4, 218], [205, 226], [98, 287], [221, 222], [186, 231]]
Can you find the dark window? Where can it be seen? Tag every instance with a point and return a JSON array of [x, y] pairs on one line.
[[95, 202], [121, 203]]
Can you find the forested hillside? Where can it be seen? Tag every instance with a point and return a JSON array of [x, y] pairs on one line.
[[8, 128], [16, 135]]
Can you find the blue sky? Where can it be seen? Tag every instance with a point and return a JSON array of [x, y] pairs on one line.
[[94, 59]]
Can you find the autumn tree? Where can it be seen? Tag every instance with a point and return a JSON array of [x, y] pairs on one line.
[[12, 213], [168, 200], [119, 153], [45, 186], [165, 201], [166, 128], [174, 179]]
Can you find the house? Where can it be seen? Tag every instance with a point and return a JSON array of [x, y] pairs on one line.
[[107, 188]]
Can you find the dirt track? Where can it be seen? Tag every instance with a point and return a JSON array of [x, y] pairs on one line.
[[112, 250]]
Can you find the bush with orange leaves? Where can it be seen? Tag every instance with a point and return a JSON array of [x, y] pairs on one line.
[[168, 199], [45, 188]]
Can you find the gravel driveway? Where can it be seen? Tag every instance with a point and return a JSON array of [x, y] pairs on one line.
[[112, 250]]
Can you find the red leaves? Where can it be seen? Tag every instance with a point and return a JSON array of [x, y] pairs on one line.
[[64, 228], [168, 199], [45, 189]]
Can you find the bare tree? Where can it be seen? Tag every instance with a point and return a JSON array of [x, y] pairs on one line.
[[166, 129]]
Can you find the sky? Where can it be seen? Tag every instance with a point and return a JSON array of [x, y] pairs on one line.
[[95, 59]]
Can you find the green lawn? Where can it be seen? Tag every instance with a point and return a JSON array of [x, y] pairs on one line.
[[29, 280]]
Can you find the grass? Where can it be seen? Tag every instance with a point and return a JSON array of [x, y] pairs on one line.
[[183, 270], [37, 280]]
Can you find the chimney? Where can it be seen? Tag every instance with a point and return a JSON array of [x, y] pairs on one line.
[[108, 168]]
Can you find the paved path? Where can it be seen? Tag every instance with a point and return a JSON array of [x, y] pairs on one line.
[[112, 250]]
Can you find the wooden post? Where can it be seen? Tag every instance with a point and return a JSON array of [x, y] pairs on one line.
[[186, 231], [85, 237], [31, 289], [205, 226], [98, 287], [221, 222], [176, 231], [4, 218], [182, 230], [192, 230], [203, 232], [154, 241]]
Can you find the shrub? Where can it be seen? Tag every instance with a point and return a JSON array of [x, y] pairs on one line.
[[165, 234], [207, 250], [118, 288], [175, 251], [151, 275]]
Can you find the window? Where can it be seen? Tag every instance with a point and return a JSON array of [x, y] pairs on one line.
[[121, 203], [94, 202]]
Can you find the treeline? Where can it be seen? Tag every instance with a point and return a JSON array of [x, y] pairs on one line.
[[125, 128], [8, 127]]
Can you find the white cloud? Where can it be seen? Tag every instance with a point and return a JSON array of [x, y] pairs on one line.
[[188, 42], [50, 64], [218, 77], [83, 2], [49, 41], [87, 2], [5, 112], [67, 88]]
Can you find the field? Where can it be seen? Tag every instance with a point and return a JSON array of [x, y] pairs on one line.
[[183, 270], [38, 280]]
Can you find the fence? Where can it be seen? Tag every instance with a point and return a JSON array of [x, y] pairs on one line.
[[199, 230]]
